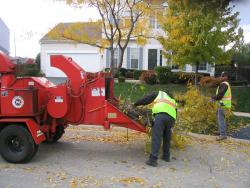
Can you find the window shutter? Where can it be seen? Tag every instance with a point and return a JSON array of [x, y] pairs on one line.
[[208, 67], [128, 58], [108, 58], [118, 58], [193, 68], [185, 68], [140, 58]]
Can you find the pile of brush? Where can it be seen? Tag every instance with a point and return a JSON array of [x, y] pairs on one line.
[[139, 114]]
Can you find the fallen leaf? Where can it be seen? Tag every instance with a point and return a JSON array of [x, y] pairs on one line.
[[73, 183], [132, 180]]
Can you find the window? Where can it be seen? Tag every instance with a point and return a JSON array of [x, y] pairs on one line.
[[175, 66], [158, 25], [134, 58], [160, 57], [203, 66], [152, 22]]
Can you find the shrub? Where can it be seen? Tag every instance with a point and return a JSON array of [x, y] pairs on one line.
[[27, 70], [121, 79], [174, 78], [129, 74], [210, 81], [185, 77], [123, 72], [107, 69], [239, 83], [149, 77], [137, 74], [163, 74]]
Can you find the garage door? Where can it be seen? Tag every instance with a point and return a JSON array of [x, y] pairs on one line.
[[90, 62]]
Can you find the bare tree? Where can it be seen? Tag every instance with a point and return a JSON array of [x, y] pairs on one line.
[[121, 20]]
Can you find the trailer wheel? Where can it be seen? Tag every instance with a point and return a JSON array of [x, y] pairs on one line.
[[17, 144], [58, 134]]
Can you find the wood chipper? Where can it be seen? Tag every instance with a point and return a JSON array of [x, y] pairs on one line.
[[34, 110]]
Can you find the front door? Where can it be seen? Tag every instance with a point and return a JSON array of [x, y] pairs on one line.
[[152, 59]]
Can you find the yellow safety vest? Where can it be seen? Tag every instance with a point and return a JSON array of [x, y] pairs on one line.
[[227, 98], [164, 103]]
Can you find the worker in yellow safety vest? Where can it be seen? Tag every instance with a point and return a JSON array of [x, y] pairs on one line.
[[224, 97], [164, 110]]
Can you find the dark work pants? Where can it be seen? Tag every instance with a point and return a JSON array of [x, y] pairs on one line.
[[161, 130], [221, 121]]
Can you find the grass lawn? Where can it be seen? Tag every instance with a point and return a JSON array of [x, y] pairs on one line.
[[136, 91], [241, 95]]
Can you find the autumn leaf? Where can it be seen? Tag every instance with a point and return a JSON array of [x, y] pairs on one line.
[[130, 180]]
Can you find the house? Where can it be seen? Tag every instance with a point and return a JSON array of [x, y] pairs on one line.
[[90, 58], [87, 56], [4, 37], [137, 57]]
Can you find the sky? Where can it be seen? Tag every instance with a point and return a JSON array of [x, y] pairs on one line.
[[30, 20]]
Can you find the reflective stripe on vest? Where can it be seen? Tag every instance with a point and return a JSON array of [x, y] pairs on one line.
[[164, 103], [227, 98]]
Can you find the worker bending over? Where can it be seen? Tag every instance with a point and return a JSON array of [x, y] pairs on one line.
[[164, 111], [224, 96]]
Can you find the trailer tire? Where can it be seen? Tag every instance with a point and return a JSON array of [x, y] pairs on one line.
[[17, 144], [58, 134]]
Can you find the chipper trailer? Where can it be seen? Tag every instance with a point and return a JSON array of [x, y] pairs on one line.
[[34, 110]]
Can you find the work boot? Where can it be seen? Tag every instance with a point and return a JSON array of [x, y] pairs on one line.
[[152, 161], [220, 138], [166, 158]]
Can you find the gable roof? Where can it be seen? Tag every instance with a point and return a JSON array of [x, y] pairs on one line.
[[91, 30]]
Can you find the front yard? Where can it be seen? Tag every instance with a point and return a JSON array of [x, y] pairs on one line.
[[241, 95]]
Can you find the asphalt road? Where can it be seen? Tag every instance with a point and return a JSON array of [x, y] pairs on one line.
[[91, 157]]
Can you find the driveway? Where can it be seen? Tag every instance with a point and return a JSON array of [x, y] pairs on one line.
[[92, 157]]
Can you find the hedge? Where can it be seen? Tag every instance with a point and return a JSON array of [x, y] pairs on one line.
[[149, 77], [163, 74]]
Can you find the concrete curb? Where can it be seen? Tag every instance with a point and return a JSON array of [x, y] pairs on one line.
[[210, 137], [242, 114], [130, 81]]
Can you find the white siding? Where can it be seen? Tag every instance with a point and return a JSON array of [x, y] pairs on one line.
[[4, 37], [88, 57], [92, 60]]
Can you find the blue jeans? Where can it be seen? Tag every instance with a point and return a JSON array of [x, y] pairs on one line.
[[221, 121], [161, 130]]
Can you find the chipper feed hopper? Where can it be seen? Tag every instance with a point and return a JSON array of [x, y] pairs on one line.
[[34, 110]]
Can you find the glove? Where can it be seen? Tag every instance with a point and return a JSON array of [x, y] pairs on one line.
[[211, 100]]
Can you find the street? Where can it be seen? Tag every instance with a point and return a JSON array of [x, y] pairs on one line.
[[92, 157]]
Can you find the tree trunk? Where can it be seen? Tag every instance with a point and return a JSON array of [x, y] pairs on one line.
[[112, 53], [120, 59], [196, 73]]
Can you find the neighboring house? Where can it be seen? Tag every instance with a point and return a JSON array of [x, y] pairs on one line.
[[4, 37], [88, 57], [91, 59]]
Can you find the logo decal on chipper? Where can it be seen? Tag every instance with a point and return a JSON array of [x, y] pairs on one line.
[[18, 102], [39, 133]]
